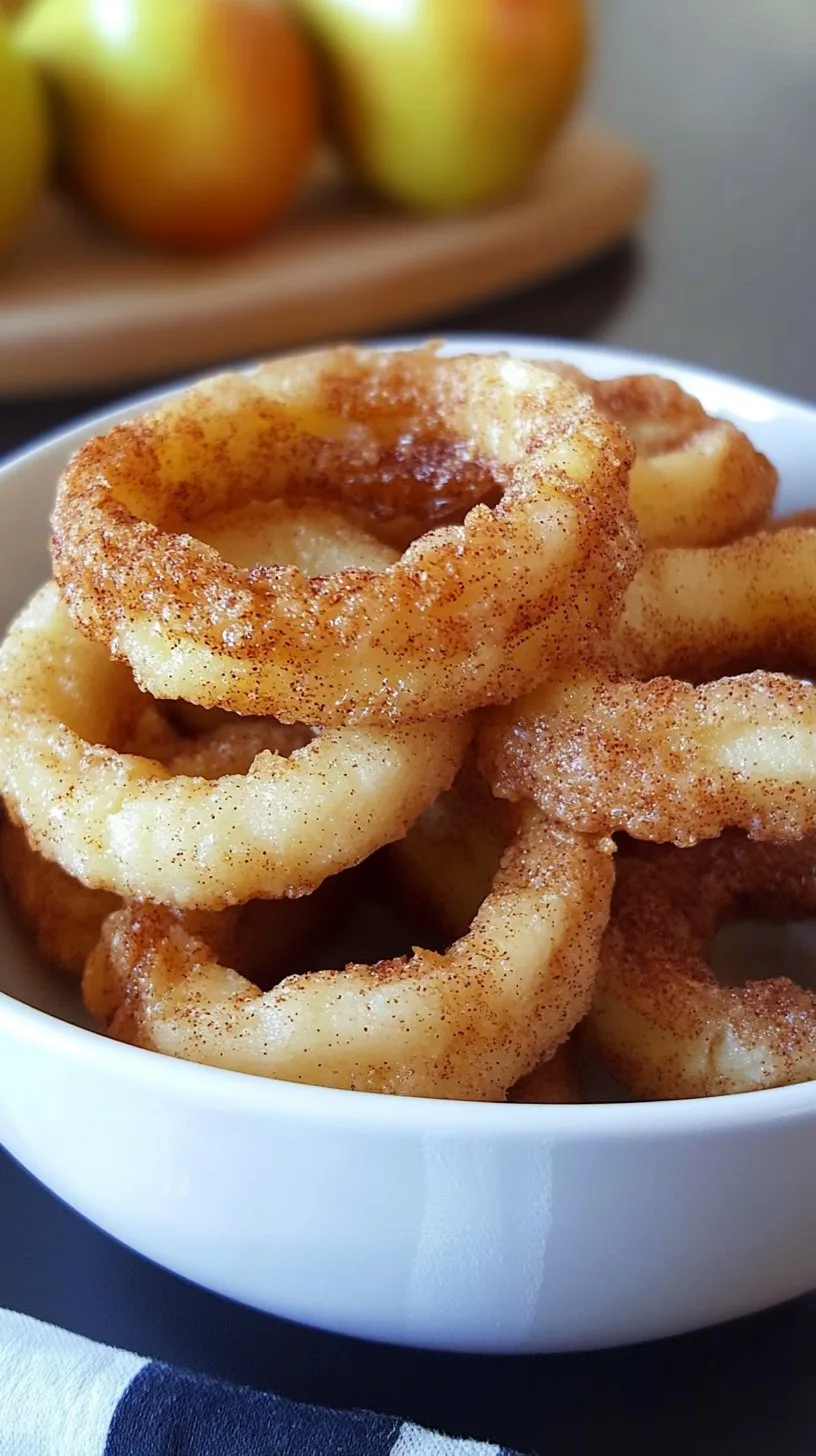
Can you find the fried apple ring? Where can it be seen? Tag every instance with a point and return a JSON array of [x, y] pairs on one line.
[[465, 1024], [469, 614], [662, 1024], [696, 481], [126, 824], [440, 873], [664, 759], [65, 917], [692, 614]]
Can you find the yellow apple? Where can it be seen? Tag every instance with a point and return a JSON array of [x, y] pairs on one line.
[[448, 103], [187, 123], [23, 139]]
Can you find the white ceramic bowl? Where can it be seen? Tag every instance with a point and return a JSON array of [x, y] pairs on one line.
[[450, 1225]]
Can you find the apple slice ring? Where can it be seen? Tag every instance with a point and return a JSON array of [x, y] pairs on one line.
[[64, 916], [123, 821], [149, 823], [662, 1024], [696, 480], [469, 614], [464, 1024], [632, 747]]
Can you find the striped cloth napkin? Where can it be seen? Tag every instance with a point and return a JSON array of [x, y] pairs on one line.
[[62, 1395]]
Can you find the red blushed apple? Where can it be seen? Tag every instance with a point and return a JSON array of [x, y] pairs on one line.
[[186, 123], [443, 104]]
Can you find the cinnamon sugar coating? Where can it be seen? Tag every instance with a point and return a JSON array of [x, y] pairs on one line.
[[465, 1024], [661, 1022], [469, 614], [125, 823], [626, 743], [696, 480], [395, 548]]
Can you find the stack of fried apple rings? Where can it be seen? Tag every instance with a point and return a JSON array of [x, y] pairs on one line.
[[454, 628]]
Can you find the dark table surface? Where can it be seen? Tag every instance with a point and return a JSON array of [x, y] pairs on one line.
[[723, 273]]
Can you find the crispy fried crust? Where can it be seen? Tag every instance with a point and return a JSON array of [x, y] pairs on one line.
[[469, 614], [696, 481], [65, 917], [662, 1024], [664, 759], [124, 823], [466, 1024]]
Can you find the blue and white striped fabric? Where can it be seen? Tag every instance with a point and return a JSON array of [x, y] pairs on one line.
[[62, 1395]]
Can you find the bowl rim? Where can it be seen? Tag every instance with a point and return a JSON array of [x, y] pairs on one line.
[[542, 346], [268, 1097], [369, 1111]]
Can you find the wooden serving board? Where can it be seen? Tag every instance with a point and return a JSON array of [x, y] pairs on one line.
[[80, 308]]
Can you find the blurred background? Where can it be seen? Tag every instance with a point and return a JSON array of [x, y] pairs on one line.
[[722, 96], [191, 183]]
